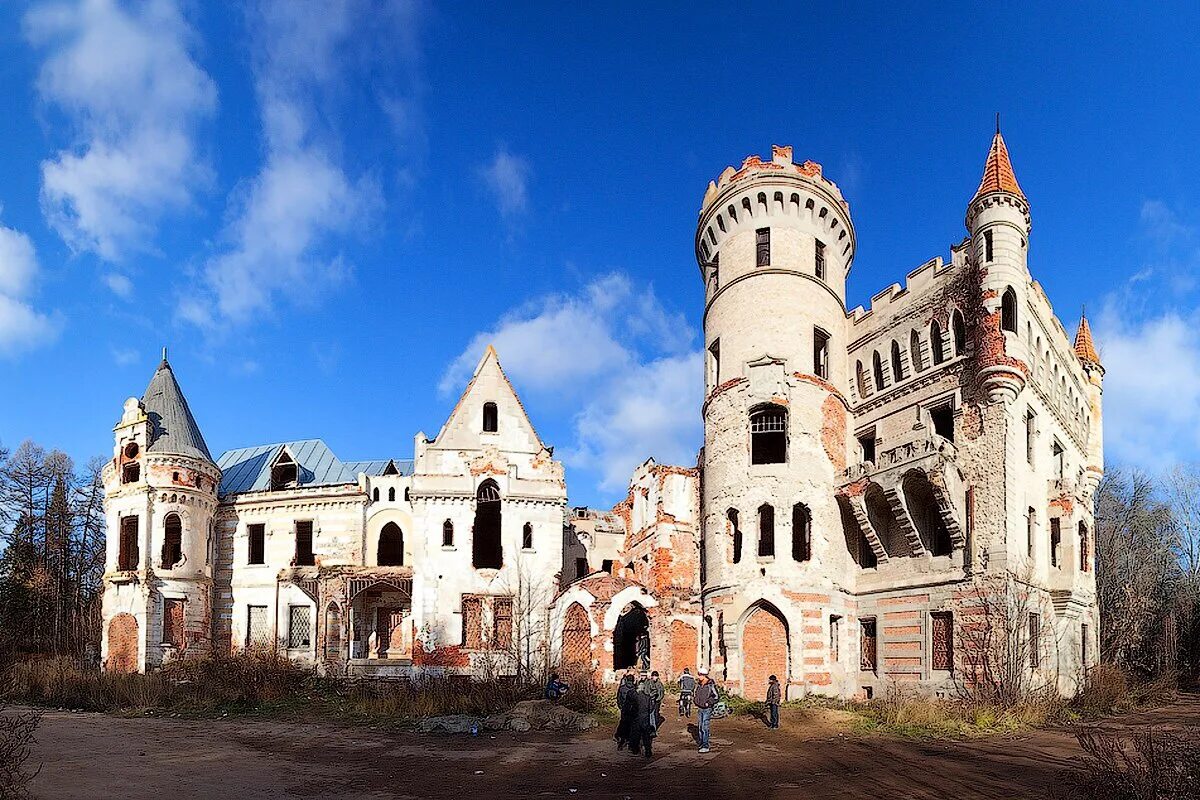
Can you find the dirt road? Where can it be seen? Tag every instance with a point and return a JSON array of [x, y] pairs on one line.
[[94, 756]]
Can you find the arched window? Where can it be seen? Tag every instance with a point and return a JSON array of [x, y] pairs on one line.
[[736, 532], [391, 546], [936, 345], [960, 332], [407, 494], [768, 434], [860, 378], [172, 550], [128, 557], [914, 351], [447, 534], [491, 418], [392, 494], [527, 536], [766, 530], [1085, 556], [897, 367], [375, 494], [877, 370], [801, 533], [486, 549], [1008, 310]]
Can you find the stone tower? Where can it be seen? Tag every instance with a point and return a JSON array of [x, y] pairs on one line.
[[160, 497], [774, 242]]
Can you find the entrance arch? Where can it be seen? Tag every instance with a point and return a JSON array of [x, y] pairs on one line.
[[765, 646], [633, 626], [577, 637], [123, 644]]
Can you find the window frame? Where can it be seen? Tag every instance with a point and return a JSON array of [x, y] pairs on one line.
[[762, 247]]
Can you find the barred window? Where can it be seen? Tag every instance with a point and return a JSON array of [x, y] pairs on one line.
[[768, 435], [868, 650], [819, 258], [943, 640], [762, 239], [299, 627], [472, 614], [258, 627], [1035, 640]]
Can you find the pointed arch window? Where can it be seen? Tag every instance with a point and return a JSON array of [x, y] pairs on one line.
[[860, 378], [877, 370], [960, 332], [392, 494], [527, 536], [936, 345], [768, 434], [801, 533], [486, 549], [491, 418], [447, 534], [766, 530], [914, 351], [172, 550], [897, 366], [1008, 310]]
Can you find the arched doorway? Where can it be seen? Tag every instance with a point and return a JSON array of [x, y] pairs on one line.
[[631, 638], [577, 637], [486, 549], [764, 651], [123, 644], [391, 546]]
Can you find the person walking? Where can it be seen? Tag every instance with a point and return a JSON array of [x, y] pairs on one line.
[[705, 698], [656, 690], [774, 697], [641, 730], [687, 687], [625, 691]]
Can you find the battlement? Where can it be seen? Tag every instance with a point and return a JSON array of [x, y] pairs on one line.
[[781, 163], [916, 283]]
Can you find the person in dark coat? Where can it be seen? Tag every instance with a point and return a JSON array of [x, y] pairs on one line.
[[625, 690], [774, 697], [641, 732]]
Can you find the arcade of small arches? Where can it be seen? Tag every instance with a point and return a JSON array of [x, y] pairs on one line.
[[901, 363]]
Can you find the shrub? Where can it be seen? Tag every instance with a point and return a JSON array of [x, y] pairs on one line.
[[16, 737], [1160, 765], [1108, 690]]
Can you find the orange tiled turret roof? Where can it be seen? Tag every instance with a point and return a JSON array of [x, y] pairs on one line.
[[1085, 349], [998, 175]]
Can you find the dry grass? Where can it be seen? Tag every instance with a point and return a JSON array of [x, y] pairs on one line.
[[16, 738], [1160, 765]]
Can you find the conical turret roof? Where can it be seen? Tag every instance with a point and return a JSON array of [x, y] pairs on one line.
[[998, 175], [1085, 348], [173, 429]]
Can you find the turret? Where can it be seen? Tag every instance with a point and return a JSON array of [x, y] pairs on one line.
[[1085, 351], [160, 499], [999, 224]]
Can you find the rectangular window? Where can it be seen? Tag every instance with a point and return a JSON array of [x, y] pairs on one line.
[[820, 353], [127, 557], [1083, 645], [1030, 526], [607, 565], [581, 567], [819, 259], [1030, 436], [1055, 540], [1035, 640], [1057, 460], [172, 629], [867, 656], [762, 238], [714, 364], [968, 550], [866, 441], [942, 631], [943, 421], [304, 544], [472, 614], [987, 245], [835, 638], [258, 537], [299, 627], [258, 627], [766, 531], [716, 271], [502, 623]]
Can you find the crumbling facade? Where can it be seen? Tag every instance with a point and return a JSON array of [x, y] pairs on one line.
[[870, 482]]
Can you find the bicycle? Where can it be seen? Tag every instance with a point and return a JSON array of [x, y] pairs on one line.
[[685, 704]]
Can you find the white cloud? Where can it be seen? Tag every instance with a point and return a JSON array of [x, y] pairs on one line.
[[507, 177], [119, 284], [22, 327], [286, 220], [125, 356], [126, 80], [613, 357]]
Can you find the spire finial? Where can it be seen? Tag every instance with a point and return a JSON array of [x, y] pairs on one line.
[[997, 123], [164, 352]]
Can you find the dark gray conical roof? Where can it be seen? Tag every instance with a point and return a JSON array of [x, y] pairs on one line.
[[173, 429]]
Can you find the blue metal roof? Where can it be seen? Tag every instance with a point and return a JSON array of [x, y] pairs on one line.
[[248, 469]]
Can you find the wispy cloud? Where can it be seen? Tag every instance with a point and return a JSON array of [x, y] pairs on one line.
[[119, 284], [284, 238], [124, 77], [1146, 334], [616, 355], [21, 326], [507, 178]]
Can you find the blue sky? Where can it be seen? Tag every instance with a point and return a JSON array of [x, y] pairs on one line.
[[327, 214]]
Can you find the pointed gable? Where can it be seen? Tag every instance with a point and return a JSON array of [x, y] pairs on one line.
[[998, 175], [173, 429], [464, 429]]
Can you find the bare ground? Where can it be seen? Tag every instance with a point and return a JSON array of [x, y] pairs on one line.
[[813, 756]]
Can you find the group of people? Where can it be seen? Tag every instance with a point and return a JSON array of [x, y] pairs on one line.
[[639, 700]]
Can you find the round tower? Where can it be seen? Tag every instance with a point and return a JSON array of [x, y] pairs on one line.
[[999, 224], [160, 499], [774, 242]]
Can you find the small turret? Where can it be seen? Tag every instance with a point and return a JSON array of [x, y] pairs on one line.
[[1085, 351]]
